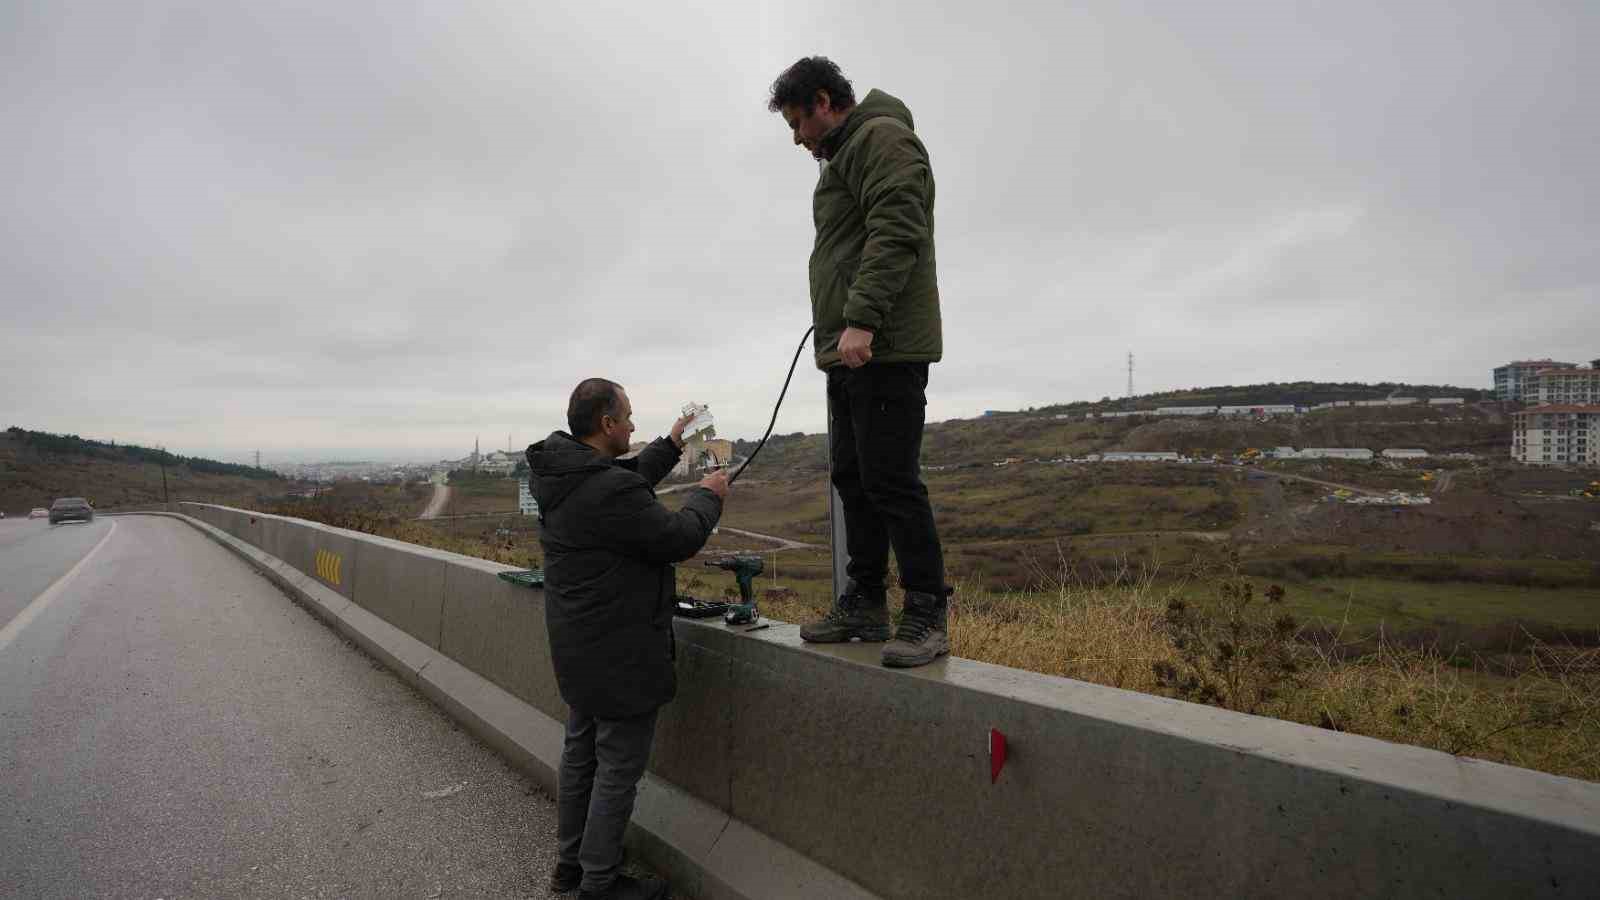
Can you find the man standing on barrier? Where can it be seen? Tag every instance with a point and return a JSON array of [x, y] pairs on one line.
[[875, 305], [609, 546]]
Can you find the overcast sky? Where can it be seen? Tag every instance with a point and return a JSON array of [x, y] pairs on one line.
[[384, 229]]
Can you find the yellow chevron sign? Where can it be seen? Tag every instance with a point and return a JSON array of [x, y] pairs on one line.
[[328, 565]]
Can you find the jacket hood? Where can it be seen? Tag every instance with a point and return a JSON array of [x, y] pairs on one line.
[[560, 463], [875, 104]]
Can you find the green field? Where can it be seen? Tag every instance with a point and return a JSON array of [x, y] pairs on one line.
[[471, 494], [1372, 603]]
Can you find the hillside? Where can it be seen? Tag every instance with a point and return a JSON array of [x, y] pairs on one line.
[[36, 467], [1480, 428], [1303, 393]]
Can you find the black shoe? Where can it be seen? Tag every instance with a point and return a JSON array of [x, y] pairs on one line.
[[923, 635], [629, 888], [565, 878], [858, 614]]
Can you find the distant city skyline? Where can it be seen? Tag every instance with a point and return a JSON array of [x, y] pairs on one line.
[[300, 456]]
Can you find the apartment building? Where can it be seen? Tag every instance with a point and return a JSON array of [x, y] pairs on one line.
[[1556, 435], [1570, 386], [526, 503], [1511, 381]]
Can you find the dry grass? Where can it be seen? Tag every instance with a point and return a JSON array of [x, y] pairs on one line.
[[1546, 715], [508, 550], [1539, 710]]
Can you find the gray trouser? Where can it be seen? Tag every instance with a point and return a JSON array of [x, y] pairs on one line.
[[601, 764]]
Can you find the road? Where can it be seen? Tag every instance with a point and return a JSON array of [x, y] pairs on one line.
[[1354, 489], [436, 503], [782, 542], [172, 726]]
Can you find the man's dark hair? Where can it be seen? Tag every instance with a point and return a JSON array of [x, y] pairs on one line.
[[798, 85], [591, 399]]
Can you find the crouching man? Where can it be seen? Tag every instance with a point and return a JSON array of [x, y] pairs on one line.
[[608, 549]]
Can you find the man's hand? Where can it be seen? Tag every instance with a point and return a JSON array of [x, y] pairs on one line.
[[716, 483], [855, 347], [677, 429]]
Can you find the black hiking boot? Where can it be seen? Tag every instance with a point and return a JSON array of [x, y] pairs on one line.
[[627, 887], [565, 879], [923, 635], [859, 614]]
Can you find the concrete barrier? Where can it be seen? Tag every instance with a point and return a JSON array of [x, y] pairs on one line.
[[496, 629], [402, 584], [840, 773]]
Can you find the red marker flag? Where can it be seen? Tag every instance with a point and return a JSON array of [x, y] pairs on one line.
[[997, 754]]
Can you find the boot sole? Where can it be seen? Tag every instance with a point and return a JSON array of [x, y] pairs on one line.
[[873, 636], [920, 659]]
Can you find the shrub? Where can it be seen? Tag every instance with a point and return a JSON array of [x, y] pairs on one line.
[[1237, 652]]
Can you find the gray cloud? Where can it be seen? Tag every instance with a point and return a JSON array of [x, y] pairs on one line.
[[351, 226]]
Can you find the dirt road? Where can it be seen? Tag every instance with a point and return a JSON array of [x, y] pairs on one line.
[[783, 543], [1443, 482], [441, 496], [1354, 489]]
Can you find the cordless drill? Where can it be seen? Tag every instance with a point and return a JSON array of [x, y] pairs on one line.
[[745, 569]]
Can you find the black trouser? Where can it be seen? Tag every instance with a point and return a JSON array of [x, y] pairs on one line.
[[876, 416], [601, 763]]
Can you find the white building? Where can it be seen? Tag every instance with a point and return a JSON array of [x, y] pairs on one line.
[[1264, 409], [1556, 435], [1334, 453], [1280, 453], [1511, 381], [1121, 415], [1185, 410], [1572, 386], [525, 502], [499, 462], [1404, 453], [1141, 456]]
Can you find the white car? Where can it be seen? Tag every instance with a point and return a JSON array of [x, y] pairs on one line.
[[39, 512]]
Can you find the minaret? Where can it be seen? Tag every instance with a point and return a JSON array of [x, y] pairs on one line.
[[476, 456]]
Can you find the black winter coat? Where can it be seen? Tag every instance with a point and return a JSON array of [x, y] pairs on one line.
[[609, 546]]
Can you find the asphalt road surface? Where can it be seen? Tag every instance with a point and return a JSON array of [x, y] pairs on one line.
[[172, 726]]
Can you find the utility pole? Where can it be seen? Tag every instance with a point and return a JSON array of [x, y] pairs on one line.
[[1130, 373], [166, 498], [258, 459]]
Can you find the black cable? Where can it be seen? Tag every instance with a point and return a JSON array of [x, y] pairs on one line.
[[775, 407]]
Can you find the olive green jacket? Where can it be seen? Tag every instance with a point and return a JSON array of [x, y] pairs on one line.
[[872, 265]]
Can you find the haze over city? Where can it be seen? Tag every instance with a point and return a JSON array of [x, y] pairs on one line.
[[361, 230]]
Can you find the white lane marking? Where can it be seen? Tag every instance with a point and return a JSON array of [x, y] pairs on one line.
[[29, 613], [445, 792]]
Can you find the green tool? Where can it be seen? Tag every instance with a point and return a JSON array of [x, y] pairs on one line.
[[528, 578], [745, 568]]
